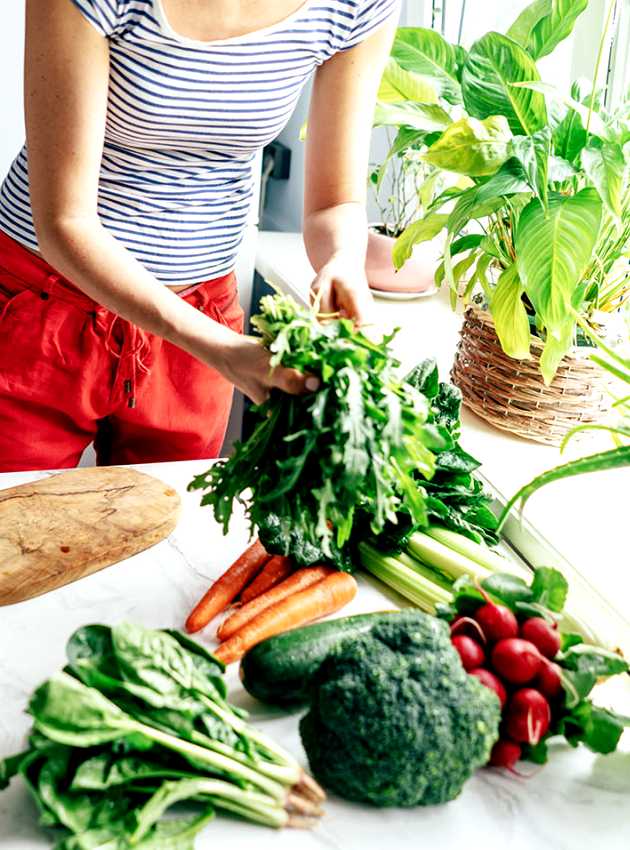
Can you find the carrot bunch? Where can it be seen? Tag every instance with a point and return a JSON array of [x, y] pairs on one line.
[[273, 598]]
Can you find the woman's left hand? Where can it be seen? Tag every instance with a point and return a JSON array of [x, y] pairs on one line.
[[341, 287]]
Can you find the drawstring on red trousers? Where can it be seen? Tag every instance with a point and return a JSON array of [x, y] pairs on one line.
[[135, 346]]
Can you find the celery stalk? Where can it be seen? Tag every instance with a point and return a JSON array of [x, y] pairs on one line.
[[429, 573], [477, 552], [407, 581], [443, 558]]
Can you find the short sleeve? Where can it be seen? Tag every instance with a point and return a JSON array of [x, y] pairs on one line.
[[102, 14], [370, 15]]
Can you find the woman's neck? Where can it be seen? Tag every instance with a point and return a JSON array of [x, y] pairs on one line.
[[214, 20]]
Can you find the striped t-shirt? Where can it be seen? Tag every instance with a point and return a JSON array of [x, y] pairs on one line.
[[184, 121]]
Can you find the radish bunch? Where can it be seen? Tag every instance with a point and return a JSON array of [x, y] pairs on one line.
[[515, 660]]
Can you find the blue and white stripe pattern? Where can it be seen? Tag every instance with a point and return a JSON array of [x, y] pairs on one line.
[[184, 121]]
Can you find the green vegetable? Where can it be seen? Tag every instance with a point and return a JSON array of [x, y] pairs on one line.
[[313, 463], [278, 670], [394, 718], [136, 722]]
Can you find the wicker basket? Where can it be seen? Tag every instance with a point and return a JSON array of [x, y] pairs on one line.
[[511, 394]]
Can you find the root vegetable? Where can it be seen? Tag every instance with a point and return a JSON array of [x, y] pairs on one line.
[[497, 622], [528, 716], [544, 637], [548, 680], [471, 654], [275, 570], [516, 660], [487, 678], [466, 625], [505, 754]]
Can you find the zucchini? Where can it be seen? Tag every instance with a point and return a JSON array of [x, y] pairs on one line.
[[279, 669]]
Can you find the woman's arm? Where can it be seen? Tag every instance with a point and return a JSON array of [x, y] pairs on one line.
[[337, 151], [66, 82]]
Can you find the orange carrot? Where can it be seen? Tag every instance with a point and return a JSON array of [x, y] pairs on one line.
[[227, 587], [318, 600], [300, 580], [275, 570]]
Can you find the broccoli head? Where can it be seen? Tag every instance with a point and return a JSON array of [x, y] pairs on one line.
[[394, 718]]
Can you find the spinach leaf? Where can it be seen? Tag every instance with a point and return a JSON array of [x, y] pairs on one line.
[[550, 588]]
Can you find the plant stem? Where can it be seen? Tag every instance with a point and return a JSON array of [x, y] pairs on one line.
[[600, 53]]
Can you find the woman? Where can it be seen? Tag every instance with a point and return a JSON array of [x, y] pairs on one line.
[[119, 316]]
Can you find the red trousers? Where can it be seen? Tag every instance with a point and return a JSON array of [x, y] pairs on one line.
[[73, 373]]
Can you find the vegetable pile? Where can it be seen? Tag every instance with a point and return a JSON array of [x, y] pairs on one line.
[[137, 722], [506, 633], [394, 718], [312, 463]]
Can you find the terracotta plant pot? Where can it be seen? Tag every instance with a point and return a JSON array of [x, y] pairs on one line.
[[417, 275]]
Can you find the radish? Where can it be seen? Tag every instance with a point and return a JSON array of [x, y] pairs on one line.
[[497, 622], [516, 660], [471, 654], [487, 678], [505, 754], [544, 637], [528, 716], [467, 625], [548, 680]]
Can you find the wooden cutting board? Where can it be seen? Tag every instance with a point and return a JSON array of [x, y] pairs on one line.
[[68, 526]]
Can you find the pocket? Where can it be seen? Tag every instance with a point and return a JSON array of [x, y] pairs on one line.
[[227, 310], [12, 294]]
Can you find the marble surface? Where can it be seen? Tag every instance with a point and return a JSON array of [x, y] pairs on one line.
[[577, 802]]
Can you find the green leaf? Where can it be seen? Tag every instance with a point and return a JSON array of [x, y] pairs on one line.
[[428, 117], [419, 231], [550, 588], [560, 170], [605, 167], [569, 136], [466, 243], [493, 65], [510, 317], [576, 685], [569, 639], [508, 588], [555, 349], [533, 153], [595, 660], [548, 29], [554, 250], [399, 85], [598, 728], [425, 52], [521, 29], [510, 179], [425, 378], [596, 126], [472, 147]]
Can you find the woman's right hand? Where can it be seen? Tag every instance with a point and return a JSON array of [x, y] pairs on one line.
[[245, 363]]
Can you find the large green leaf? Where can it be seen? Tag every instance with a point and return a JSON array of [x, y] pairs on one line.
[[509, 314], [399, 85], [510, 179], [472, 147], [533, 153], [569, 136], [429, 117], [543, 24], [494, 63], [555, 348], [605, 167], [425, 52], [419, 231], [553, 250], [595, 124]]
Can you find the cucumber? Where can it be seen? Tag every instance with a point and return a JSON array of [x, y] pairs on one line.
[[278, 670]]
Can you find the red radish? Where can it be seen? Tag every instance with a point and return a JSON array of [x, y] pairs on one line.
[[468, 626], [490, 681], [470, 652], [505, 754], [528, 716], [497, 622], [544, 637], [516, 660], [548, 680]]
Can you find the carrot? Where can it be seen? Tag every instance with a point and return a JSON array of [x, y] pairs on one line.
[[275, 570], [300, 580], [227, 587], [325, 597]]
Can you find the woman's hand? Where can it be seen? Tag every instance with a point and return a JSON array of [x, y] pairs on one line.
[[245, 363], [341, 287]]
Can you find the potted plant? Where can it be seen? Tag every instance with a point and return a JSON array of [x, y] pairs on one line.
[[537, 247]]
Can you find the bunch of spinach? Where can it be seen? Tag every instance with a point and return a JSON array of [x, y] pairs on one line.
[[136, 722], [581, 664], [312, 463]]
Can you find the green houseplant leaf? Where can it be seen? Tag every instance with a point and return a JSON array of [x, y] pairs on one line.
[[509, 314], [419, 231], [429, 117], [494, 63], [605, 166], [533, 153], [472, 147], [543, 24], [425, 52], [398, 85]]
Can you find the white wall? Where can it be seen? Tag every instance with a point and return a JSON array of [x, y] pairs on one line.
[[11, 88]]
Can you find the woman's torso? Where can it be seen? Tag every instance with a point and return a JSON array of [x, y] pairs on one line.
[[184, 121]]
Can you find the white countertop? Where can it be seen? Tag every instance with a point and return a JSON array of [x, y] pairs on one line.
[[585, 518], [579, 801]]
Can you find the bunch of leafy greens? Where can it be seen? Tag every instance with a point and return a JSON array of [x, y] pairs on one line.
[[135, 723], [581, 664], [394, 718], [356, 444]]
